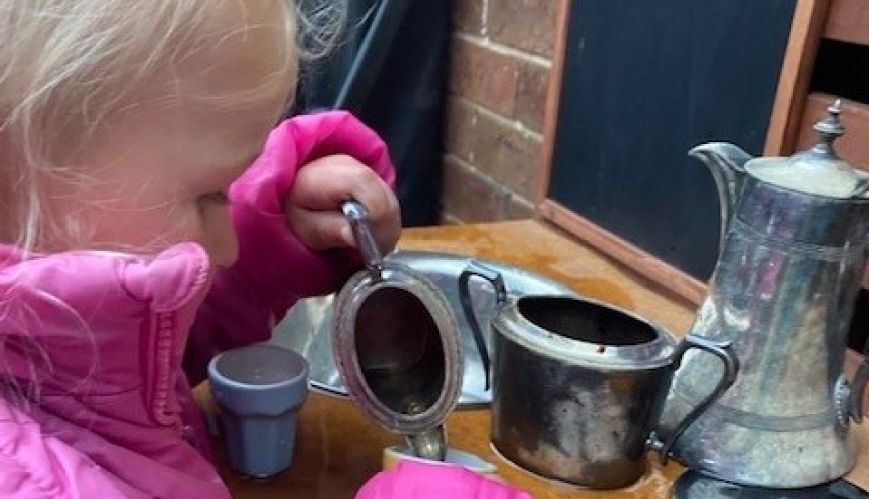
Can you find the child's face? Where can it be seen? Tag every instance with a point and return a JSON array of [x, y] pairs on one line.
[[158, 174]]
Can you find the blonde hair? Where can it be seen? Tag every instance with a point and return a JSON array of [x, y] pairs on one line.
[[65, 65]]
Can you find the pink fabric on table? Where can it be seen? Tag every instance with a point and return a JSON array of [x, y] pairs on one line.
[[101, 336], [414, 480]]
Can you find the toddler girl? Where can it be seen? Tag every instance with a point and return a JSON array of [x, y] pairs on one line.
[[137, 237]]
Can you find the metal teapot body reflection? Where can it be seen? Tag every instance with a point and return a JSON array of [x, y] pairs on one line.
[[577, 386], [793, 252], [396, 346]]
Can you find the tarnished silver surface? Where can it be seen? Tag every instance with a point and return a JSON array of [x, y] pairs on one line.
[[576, 387], [405, 378], [431, 445], [694, 485], [782, 292], [396, 345], [357, 215], [306, 327]]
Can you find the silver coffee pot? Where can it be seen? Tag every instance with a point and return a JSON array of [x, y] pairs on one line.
[[792, 256]]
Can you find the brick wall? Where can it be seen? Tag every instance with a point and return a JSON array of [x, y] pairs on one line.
[[501, 57]]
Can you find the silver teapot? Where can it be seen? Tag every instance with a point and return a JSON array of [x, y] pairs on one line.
[[396, 345], [792, 256]]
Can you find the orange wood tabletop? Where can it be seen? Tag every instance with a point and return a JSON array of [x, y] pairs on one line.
[[337, 449]]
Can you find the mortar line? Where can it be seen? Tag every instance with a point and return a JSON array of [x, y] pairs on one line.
[[485, 20], [502, 189], [500, 48], [500, 119]]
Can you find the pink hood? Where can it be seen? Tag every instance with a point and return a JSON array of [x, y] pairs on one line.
[[99, 339]]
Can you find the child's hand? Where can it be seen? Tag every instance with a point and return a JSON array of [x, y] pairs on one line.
[[313, 206]]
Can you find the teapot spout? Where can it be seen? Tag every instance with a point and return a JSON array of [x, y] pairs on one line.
[[727, 164]]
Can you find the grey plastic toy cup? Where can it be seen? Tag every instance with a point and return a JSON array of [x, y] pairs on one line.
[[259, 389]]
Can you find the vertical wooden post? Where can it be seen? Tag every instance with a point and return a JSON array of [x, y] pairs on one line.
[[810, 16], [553, 97]]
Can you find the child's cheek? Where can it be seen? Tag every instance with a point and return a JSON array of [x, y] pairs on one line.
[[218, 234]]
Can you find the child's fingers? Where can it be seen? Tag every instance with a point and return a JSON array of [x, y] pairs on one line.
[[320, 230], [320, 188], [327, 182]]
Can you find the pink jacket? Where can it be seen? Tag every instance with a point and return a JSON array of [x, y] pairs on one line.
[[99, 339]]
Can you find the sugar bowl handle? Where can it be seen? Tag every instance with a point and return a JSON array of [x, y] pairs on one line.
[[731, 368], [475, 268]]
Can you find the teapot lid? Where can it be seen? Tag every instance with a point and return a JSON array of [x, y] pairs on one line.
[[819, 170]]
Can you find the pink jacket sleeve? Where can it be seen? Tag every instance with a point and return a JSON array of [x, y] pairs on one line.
[[435, 481], [274, 269]]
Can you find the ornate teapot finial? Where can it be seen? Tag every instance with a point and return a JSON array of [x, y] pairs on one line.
[[829, 129]]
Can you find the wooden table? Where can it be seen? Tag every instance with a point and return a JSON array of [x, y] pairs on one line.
[[337, 449]]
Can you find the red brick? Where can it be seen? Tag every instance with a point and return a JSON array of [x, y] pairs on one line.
[[524, 24], [470, 196], [484, 76], [506, 85], [468, 16], [517, 208], [459, 129], [496, 149], [531, 90]]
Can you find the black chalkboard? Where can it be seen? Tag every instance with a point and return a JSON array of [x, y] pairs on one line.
[[643, 82]]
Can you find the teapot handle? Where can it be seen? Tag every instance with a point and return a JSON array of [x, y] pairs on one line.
[[476, 268], [357, 217], [862, 187], [731, 367]]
